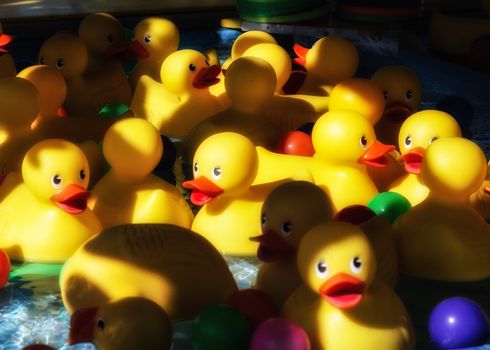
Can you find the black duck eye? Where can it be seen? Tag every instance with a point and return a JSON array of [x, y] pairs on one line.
[[207, 63], [363, 141], [385, 94], [41, 60], [216, 172], [408, 141], [192, 67], [82, 174], [432, 139], [60, 63], [262, 220], [321, 269], [196, 168], [109, 38], [286, 228], [408, 95], [56, 181], [147, 38], [100, 325], [356, 265]]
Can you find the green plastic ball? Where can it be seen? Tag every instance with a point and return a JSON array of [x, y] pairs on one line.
[[390, 204], [113, 110]]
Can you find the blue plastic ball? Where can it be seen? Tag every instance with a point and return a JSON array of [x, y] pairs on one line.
[[458, 323]]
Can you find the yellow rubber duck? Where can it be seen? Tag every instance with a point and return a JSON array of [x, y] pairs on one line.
[[154, 39], [288, 213], [183, 99], [103, 34], [129, 192], [328, 62], [126, 324], [172, 266], [480, 200], [51, 193], [345, 144], [224, 167], [416, 134], [444, 238], [341, 296], [86, 93], [7, 64], [402, 91]]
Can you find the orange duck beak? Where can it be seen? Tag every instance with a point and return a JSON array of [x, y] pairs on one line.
[[375, 155], [301, 52], [4, 41], [413, 160], [272, 246], [72, 199], [82, 326], [342, 290], [397, 111], [203, 190], [206, 77], [136, 51]]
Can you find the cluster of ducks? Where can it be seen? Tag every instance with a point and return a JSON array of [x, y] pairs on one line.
[[79, 188]]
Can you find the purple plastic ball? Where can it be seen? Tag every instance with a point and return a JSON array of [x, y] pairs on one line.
[[458, 323], [279, 334]]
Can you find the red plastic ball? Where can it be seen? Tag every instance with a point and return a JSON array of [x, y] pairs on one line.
[[296, 143], [279, 334], [4, 268], [254, 304]]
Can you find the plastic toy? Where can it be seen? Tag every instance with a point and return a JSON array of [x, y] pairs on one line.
[[458, 323], [220, 327], [87, 93], [7, 64], [288, 213], [224, 168], [402, 89], [255, 305], [279, 334], [445, 225], [390, 204], [51, 192], [171, 105], [125, 324], [4, 268], [163, 263], [154, 39], [480, 200], [296, 143], [416, 134], [103, 35], [341, 295], [129, 193], [329, 61], [359, 95]]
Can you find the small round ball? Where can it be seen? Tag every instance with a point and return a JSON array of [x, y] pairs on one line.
[[4, 268], [390, 204], [254, 304], [296, 143], [279, 334]]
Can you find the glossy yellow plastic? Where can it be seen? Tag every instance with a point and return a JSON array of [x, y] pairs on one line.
[[418, 132], [288, 213], [34, 225], [176, 105], [170, 265], [333, 253], [87, 93], [129, 192], [480, 200], [159, 37], [445, 225]]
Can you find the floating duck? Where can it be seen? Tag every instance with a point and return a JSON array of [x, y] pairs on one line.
[[154, 39], [183, 99], [480, 200], [345, 143], [288, 213], [444, 238], [402, 91], [51, 192], [103, 35], [416, 134], [246, 115], [163, 263], [87, 93], [126, 324], [7, 64], [329, 61], [341, 295], [224, 167], [129, 192]]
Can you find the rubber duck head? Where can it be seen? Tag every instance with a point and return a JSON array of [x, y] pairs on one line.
[[344, 137], [50, 85], [330, 60], [245, 41], [57, 170], [419, 131], [186, 72], [277, 57], [453, 168], [65, 52], [360, 95], [102, 33], [288, 213], [128, 323], [5, 39], [337, 262], [133, 148], [223, 163], [155, 38], [250, 82]]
